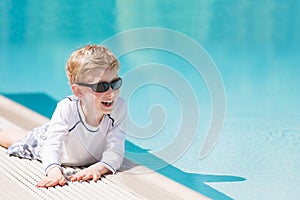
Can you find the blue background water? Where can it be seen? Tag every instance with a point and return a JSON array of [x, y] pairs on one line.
[[253, 43]]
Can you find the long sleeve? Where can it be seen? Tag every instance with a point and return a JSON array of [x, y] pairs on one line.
[[52, 148], [73, 142], [113, 154]]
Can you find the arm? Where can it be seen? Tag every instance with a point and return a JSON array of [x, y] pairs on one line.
[[113, 153], [51, 152]]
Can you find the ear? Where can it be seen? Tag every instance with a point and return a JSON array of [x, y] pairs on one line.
[[76, 90]]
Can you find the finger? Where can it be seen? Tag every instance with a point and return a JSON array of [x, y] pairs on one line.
[[75, 177], [72, 178], [95, 177], [62, 181], [42, 183], [87, 177], [52, 183]]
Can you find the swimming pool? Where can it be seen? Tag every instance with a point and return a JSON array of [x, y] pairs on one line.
[[253, 45]]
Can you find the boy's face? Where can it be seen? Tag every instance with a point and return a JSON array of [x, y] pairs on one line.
[[103, 102]]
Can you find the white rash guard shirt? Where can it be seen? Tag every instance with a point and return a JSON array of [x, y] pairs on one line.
[[73, 142]]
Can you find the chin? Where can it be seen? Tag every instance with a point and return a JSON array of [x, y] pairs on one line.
[[105, 111]]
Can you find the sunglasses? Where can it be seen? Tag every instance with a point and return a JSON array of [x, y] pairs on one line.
[[103, 86]]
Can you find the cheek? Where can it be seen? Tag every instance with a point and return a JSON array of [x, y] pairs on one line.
[[116, 93], [93, 99], [96, 102], [97, 98]]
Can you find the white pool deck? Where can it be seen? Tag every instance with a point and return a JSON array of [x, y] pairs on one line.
[[19, 176]]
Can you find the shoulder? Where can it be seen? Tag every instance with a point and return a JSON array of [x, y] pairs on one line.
[[69, 100], [67, 104], [66, 110]]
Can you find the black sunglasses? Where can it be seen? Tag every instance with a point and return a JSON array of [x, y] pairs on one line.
[[103, 86]]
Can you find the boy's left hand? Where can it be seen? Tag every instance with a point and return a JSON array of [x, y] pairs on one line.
[[93, 173]]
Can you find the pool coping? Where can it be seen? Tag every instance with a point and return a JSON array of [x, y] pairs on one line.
[[131, 177]]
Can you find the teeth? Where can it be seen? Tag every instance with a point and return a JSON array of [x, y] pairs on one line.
[[107, 103]]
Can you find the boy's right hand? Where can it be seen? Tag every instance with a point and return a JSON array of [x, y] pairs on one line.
[[53, 178]]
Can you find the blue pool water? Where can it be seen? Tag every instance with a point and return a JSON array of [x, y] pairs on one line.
[[253, 44]]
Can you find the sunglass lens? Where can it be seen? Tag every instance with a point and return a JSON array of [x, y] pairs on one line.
[[116, 84], [102, 87]]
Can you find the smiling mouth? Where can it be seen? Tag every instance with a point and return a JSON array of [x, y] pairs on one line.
[[107, 104]]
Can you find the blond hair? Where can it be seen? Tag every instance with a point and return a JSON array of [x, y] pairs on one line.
[[87, 58]]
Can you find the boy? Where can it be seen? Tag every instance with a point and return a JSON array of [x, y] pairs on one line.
[[86, 129]]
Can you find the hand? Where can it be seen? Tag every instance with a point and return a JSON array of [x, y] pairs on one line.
[[53, 178], [93, 172]]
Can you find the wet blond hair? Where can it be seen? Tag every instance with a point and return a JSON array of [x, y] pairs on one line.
[[88, 58]]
